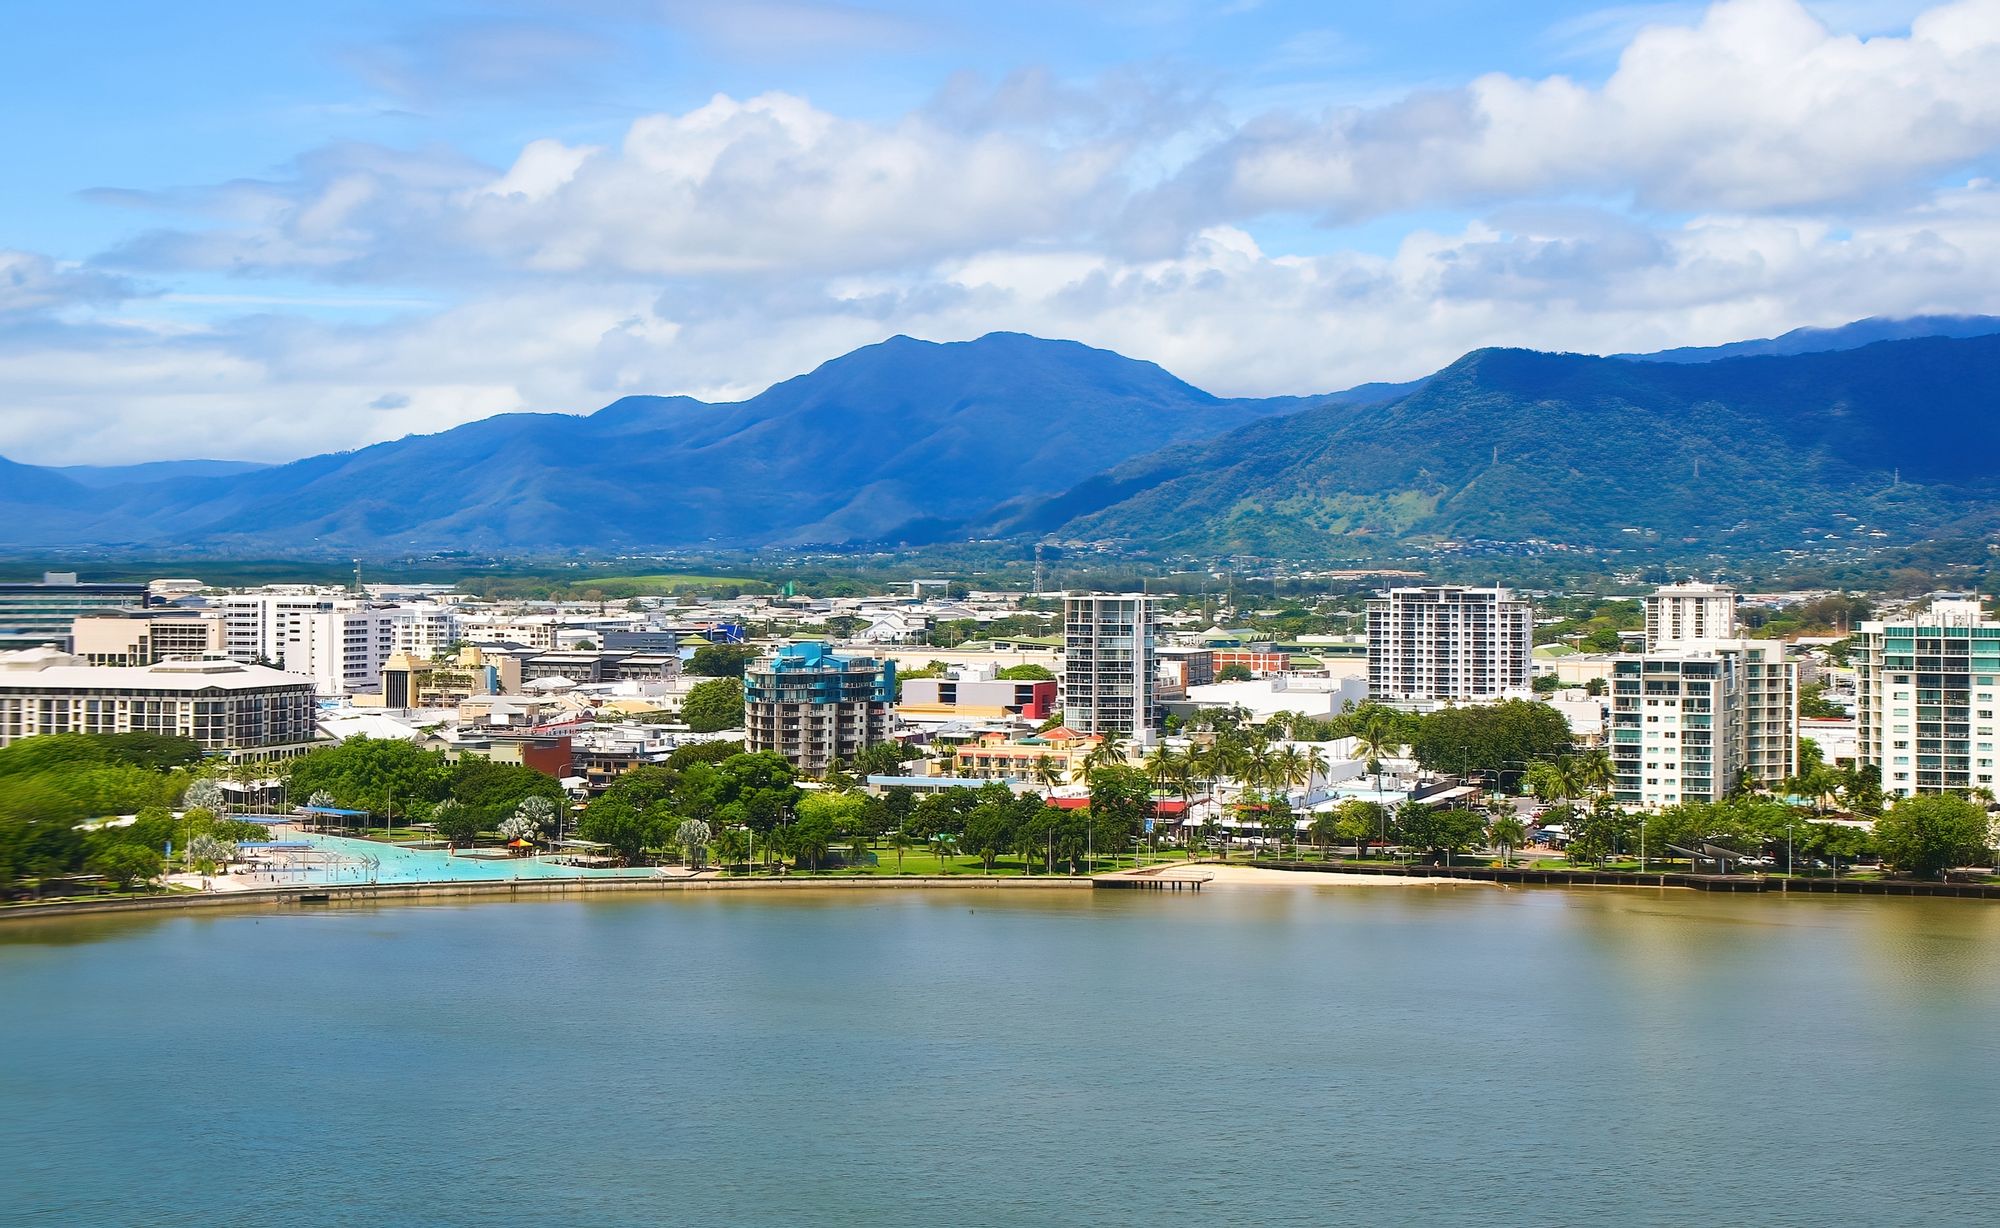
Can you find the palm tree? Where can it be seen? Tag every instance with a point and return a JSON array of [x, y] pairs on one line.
[[1372, 740], [1049, 772], [943, 847], [693, 836], [1109, 752], [1595, 772], [1509, 833]]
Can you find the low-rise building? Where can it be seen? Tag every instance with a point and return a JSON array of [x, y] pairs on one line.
[[143, 637], [974, 693], [247, 712], [1049, 758]]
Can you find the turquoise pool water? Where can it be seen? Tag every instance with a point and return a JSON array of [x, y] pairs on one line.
[[366, 861]]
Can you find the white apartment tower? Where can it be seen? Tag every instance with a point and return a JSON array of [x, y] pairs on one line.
[[1449, 643], [340, 644], [1927, 686], [1691, 722], [1689, 613], [1109, 667]]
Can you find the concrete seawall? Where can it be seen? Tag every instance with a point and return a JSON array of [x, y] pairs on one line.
[[1746, 883], [362, 893]]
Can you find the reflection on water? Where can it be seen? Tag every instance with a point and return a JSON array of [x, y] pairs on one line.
[[1364, 1055]]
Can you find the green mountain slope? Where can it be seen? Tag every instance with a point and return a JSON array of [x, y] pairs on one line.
[[1511, 445]]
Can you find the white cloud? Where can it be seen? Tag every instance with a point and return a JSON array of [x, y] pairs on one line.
[[716, 250], [1757, 106]]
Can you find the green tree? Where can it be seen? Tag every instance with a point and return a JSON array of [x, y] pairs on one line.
[[1025, 673], [811, 836], [1488, 735], [1235, 671], [1507, 833], [625, 824], [721, 660], [692, 837], [714, 705], [989, 831], [1925, 836], [1439, 831], [491, 791], [126, 864], [455, 823]]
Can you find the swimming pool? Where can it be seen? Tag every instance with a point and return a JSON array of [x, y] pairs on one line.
[[334, 860]]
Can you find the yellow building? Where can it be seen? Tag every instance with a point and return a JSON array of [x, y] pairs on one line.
[[994, 757]]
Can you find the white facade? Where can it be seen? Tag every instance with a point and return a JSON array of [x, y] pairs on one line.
[[342, 650], [1926, 688], [1689, 613], [257, 624], [1688, 724], [1265, 697], [248, 711], [1110, 674], [1450, 643], [425, 629]]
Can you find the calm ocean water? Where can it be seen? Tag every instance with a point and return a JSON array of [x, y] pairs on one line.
[[1356, 1056]]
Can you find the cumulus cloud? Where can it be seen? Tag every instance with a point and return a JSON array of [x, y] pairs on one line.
[[1784, 176], [1756, 106], [1222, 312]]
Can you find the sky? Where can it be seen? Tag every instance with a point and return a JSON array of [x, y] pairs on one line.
[[261, 231]]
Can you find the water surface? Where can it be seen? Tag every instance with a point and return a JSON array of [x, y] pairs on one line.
[[1278, 1056]]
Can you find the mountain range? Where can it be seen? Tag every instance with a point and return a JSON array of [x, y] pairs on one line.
[[1819, 432]]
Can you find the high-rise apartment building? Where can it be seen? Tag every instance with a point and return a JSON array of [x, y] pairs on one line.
[[1110, 670], [425, 629], [1450, 643], [1927, 687], [1689, 613], [1690, 723], [816, 708], [37, 614], [340, 644]]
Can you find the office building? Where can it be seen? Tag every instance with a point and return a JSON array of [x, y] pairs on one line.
[[1926, 688], [42, 614], [143, 637], [249, 712], [1449, 643], [1110, 666], [1689, 613], [816, 708]]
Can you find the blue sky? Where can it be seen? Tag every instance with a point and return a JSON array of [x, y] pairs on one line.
[[263, 230]]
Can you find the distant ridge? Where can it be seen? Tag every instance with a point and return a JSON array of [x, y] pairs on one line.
[[910, 441], [99, 476], [1822, 340]]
